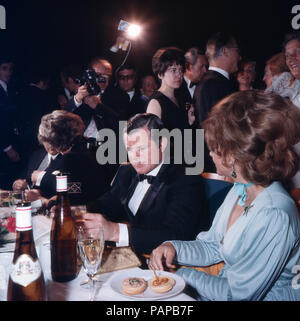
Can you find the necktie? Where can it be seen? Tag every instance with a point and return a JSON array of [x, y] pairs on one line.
[[241, 190], [192, 84], [149, 178]]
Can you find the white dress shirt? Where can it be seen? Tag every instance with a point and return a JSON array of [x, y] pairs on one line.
[[221, 71], [43, 172], [134, 204], [191, 89]]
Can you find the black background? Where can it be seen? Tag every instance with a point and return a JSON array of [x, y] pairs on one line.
[[54, 32]]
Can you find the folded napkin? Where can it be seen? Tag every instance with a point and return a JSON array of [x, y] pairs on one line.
[[118, 258]]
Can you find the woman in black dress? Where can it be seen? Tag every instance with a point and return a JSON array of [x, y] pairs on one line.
[[168, 64]]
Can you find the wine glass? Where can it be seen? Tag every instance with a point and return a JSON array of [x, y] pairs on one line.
[[91, 246]]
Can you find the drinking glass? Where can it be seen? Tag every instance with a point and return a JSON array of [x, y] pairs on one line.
[[91, 246]]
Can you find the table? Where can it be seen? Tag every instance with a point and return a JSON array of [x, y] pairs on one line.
[[69, 291]]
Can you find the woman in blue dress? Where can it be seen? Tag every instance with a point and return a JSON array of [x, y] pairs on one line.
[[256, 231]]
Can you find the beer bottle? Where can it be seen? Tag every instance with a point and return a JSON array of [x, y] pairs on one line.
[[63, 236], [26, 279]]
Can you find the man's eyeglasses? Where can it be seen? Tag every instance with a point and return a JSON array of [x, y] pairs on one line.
[[127, 77]]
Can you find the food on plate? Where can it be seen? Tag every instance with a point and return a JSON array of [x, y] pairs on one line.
[[161, 284], [134, 285]]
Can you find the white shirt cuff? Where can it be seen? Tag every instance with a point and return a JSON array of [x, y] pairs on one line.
[[7, 148], [123, 235], [35, 205], [77, 104], [39, 178]]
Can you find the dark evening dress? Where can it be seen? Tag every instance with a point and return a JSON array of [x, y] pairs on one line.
[[171, 115]]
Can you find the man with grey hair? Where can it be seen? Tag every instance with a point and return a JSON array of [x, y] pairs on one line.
[[223, 56], [196, 67]]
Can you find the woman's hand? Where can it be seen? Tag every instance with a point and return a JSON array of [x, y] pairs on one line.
[[92, 220], [164, 251]]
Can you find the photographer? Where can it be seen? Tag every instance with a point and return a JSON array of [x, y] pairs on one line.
[[97, 102]]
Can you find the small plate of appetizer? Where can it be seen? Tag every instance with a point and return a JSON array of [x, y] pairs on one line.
[[144, 285]]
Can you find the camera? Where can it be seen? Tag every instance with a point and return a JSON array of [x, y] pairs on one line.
[[91, 79]]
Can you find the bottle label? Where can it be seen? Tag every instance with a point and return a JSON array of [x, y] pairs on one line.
[[23, 218], [25, 270], [61, 184]]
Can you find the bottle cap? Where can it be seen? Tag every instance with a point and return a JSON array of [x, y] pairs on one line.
[[23, 218]]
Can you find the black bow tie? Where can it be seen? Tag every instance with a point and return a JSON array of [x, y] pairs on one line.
[[142, 177], [192, 84]]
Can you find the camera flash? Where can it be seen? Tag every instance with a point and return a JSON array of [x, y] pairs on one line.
[[133, 30]]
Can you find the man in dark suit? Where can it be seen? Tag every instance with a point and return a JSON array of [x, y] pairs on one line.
[[157, 199], [127, 80], [61, 135], [10, 158], [196, 66], [223, 57]]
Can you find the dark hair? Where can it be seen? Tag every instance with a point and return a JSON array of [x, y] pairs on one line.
[[150, 121], [61, 129], [259, 130], [219, 40], [192, 54], [73, 71], [166, 57], [5, 59], [289, 37], [37, 74], [127, 66]]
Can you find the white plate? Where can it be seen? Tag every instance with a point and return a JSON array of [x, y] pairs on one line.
[[116, 284]]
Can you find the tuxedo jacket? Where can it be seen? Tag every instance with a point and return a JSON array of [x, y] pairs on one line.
[[212, 88], [137, 105], [172, 208], [183, 94], [87, 180]]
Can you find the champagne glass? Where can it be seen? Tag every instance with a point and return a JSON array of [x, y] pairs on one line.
[[91, 246]]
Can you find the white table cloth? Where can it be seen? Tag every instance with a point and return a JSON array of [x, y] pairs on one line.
[[69, 291]]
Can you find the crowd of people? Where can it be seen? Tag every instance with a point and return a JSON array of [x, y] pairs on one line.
[[252, 135]]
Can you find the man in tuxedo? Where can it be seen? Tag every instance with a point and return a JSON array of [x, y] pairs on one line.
[[33, 101], [64, 150], [10, 158], [223, 56], [69, 78], [156, 198], [196, 66], [127, 80]]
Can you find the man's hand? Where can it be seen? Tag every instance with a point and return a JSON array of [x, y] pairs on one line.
[[13, 155], [32, 195], [81, 93], [164, 251], [92, 101], [92, 220], [19, 185], [34, 176]]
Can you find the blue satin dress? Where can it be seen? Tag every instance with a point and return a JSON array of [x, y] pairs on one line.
[[261, 251]]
